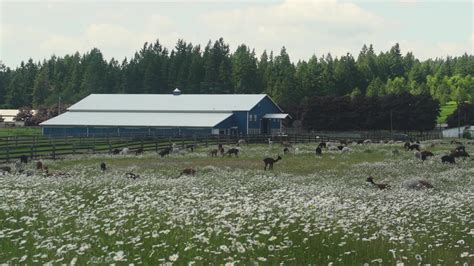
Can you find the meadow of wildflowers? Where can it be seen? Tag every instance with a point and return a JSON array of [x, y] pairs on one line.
[[309, 210]]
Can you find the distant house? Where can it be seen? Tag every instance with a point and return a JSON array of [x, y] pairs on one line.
[[8, 116], [457, 132], [169, 115]]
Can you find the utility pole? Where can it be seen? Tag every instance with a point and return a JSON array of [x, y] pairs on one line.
[[459, 119], [59, 105], [391, 124]]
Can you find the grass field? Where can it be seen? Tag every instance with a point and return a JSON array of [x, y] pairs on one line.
[[309, 210], [20, 131], [446, 110]]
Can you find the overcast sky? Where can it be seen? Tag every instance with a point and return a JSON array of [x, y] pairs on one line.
[[39, 29]]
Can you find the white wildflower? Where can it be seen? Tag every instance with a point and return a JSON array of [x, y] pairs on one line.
[[119, 256], [173, 257]]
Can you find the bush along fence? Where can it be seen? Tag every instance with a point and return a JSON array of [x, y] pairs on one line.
[[35, 147]]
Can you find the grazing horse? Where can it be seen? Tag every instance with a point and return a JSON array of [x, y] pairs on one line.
[[221, 151], [24, 159], [6, 169], [187, 171], [213, 153], [190, 147], [459, 153], [318, 151], [116, 151], [139, 151], [406, 145], [322, 145], [39, 165], [414, 147], [379, 186], [131, 175], [125, 151], [448, 159], [460, 148], [346, 150], [427, 153], [269, 162], [165, 151], [417, 184], [103, 167], [233, 151], [286, 150], [241, 142], [286, 144]]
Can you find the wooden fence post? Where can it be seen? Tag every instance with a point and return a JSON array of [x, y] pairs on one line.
[[31, 152], [8, 154], [54, 151]]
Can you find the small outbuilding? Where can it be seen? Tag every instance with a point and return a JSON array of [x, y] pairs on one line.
[[457, 132], [168, 115]]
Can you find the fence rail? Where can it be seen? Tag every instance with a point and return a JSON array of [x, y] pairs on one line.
[[13, 147]]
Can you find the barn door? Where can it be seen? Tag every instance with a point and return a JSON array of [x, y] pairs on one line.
[[264, 129]]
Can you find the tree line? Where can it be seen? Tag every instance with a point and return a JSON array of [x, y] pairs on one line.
[[214, 69], [400, 112], [462, 116]]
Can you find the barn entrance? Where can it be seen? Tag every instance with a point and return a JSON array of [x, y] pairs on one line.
[[234, 131], [265, 126]]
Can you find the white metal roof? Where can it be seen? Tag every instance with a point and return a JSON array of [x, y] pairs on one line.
[[137, 119], [168, 102], [8, 114], [275, 116]]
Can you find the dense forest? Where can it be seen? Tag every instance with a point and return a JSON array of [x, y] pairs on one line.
[[401, 112], [214, 69]]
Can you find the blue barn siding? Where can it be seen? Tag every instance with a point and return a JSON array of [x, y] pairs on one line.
[[241, 122], [265, 106], [65, 131], [227, 123]]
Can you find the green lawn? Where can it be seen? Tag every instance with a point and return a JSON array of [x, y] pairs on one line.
[[446, 110], [20, 131], [308, 210]]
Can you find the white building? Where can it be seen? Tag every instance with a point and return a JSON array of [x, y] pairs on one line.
[[8, 115], [457, 132]]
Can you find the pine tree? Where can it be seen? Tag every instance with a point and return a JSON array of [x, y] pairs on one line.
[[244, 71], [42, 87]]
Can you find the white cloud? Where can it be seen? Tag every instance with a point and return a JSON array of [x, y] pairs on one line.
[[303, 27], [324, 25], [112, 40]]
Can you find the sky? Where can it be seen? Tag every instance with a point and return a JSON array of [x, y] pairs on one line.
[[39, 29]]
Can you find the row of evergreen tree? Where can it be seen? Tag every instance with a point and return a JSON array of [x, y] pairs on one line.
[[214, 69], [400, 112]]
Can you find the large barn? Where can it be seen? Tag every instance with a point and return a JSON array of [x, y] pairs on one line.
[[168, 115]]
